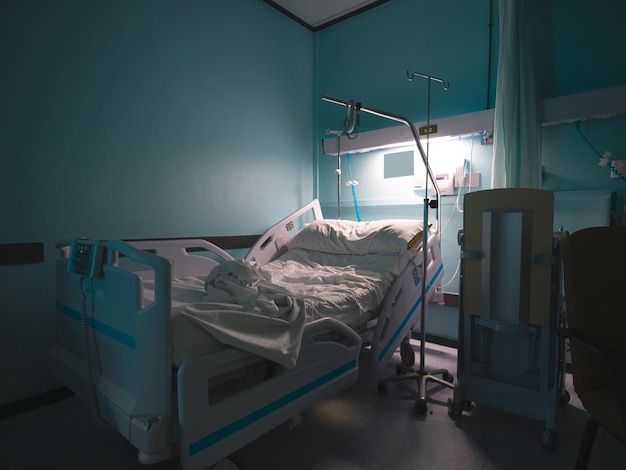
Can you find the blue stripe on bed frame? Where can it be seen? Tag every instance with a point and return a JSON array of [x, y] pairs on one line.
[[406, 319], [98, 326], [256, 415]]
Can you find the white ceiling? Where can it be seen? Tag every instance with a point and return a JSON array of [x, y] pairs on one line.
[[318, 13]]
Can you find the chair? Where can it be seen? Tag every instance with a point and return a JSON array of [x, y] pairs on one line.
[[594, 263]]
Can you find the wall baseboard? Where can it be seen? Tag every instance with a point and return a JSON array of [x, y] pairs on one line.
[[21, 253], [37, 401]]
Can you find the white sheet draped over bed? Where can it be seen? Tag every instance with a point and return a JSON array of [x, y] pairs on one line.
[[332, 268], [242, 308]]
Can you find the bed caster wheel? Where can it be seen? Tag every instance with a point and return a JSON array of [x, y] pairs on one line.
[[448, 377], [382, 388], [407, 354], [467, 405], [454, 409], [421, 408], [232, 462], [549, 439], [564, 398]]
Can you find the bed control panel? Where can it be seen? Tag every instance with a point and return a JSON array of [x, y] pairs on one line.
[[86, 258]]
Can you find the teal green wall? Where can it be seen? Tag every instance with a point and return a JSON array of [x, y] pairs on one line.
[[579, 47], [130, 119], [367, 57]]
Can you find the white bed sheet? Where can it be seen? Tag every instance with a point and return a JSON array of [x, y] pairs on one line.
[[189, 339], [347, 287], [263, 309]]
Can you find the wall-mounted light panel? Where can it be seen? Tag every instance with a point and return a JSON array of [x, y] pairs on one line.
[[397, 136], [595, 104]]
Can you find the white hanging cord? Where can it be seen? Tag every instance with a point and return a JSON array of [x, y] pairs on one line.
[[456, 271]]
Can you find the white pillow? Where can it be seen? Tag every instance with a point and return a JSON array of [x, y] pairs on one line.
[[359, 238]]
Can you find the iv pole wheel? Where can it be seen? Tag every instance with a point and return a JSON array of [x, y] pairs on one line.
[[421, 407], [232, 462], [401, 369]]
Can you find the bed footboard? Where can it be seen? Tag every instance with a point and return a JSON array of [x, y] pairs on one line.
[[113, 342], [212, 428], [112, 350]]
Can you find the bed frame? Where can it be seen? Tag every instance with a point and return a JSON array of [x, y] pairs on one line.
[[114, 349], [118, 358]]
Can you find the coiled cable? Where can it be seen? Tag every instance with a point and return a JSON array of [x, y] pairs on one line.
[[353, 185]]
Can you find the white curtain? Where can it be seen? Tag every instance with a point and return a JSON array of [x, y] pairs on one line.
[[517, 133]]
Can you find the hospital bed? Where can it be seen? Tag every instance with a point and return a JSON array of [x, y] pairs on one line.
[[176, 371]]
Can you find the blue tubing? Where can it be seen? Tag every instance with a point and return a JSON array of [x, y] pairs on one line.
[[356, 204]]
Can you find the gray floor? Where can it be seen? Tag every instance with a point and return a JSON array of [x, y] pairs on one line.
[[358, 429]]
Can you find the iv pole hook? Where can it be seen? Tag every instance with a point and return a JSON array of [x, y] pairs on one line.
[[410, 76]]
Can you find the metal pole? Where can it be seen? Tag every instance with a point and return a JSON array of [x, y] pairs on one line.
[[403, 120]]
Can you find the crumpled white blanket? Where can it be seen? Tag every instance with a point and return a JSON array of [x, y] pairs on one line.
[[263, 309], [242, 308]]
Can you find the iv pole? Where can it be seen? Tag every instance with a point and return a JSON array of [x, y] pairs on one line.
[[421, 375], [338, 169]]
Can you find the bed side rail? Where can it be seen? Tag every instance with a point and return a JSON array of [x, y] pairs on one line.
[[401, 309], [270, 244], [188, 257], [328, 363]]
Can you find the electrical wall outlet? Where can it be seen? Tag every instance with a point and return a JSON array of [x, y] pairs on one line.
[[620, 166], [467, 180]]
